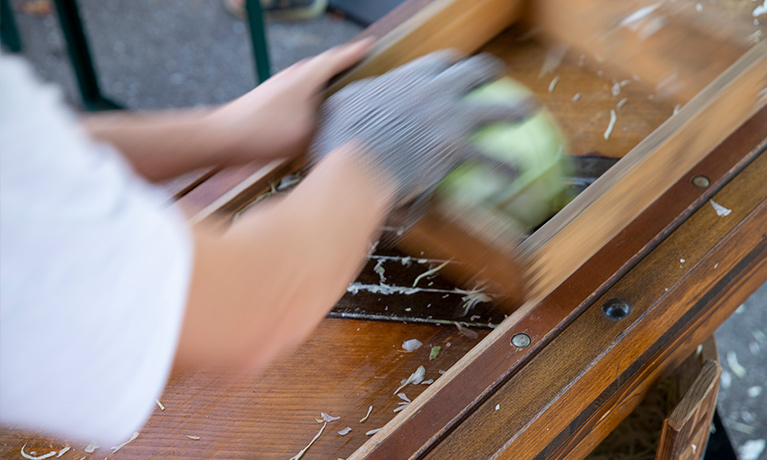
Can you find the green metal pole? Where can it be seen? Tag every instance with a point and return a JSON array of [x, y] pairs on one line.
[[80, 56], [9, 34], [255, 16]]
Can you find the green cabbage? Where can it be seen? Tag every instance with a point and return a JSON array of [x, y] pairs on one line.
[[537, 147]]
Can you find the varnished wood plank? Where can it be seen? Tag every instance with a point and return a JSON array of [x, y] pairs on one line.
[[394, 18], [493, 360], [555, 414], [463, 25], [685, 431], [230, 189], [343, 368], [179, 186]]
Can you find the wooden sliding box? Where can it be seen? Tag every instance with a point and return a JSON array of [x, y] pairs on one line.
[[644, 61]]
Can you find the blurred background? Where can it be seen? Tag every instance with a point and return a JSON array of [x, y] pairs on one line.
[[153, 54]]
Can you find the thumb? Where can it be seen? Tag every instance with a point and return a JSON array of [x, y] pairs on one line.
[[325, 66]]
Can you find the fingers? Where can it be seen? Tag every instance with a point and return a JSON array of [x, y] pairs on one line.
[[323, 67], [471, 73], [485, 114]]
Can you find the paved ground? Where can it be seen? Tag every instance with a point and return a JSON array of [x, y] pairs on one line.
[[163, 53]]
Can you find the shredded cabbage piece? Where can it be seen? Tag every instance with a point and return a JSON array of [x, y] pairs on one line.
[[737, 369], [474, 297], [411, 345], [370, 409], [613, 119], [553, 83], [415, 378], [633, 20], [466, 331], [303, 451], [380, 270], [116, 448], [40, 457], [401, 406], [430, 272], [91, 447], [721, 211], [328, 418], [434, 352]]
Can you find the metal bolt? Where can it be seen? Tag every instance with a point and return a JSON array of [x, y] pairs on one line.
[[521, 340], [701, 181], [616, 309]]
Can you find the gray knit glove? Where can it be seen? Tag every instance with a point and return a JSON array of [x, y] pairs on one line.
[[413, 121]]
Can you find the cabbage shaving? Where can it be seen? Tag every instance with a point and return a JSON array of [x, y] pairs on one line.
[[415, 378], [430, 272], [303, 451], [116, 448], [370, 409], [40, 457]]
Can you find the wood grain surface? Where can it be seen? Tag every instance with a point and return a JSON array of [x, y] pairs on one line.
[[682, 268], [345, 367], [181, 185], [462, 25], [685, 432]]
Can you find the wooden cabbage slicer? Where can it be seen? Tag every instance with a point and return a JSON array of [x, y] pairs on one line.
[[693, 61], [642, 235], [624, 283], [660, 45]]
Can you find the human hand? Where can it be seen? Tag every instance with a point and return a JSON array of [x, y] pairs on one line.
[[278, 117], [413, 123]]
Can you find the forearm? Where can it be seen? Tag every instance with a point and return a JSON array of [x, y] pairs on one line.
[[161, 145], [265, 284]]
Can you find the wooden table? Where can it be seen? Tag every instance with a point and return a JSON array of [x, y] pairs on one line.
[[680, 266]]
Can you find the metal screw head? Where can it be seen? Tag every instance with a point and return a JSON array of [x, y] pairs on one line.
[[520, 340], [701, 181], [616, 309]]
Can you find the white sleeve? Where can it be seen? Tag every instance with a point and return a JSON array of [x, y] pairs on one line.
[[94, 273]]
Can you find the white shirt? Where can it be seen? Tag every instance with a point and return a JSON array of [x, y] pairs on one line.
[[94, 274]]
